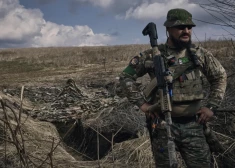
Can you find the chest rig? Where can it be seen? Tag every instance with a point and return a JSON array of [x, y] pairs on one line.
[[187, 81]]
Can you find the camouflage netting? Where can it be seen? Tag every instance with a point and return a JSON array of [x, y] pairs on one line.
[[114, 116], [34, 143]]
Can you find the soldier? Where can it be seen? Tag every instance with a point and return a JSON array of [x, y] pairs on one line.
[[187, 63]]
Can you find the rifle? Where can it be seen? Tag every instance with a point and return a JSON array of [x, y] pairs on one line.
[[164, 84]]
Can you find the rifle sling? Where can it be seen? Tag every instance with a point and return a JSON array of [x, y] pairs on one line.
[[153, 83], [150, 87]]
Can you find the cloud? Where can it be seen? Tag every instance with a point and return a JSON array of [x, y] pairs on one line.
[[18, 24], [140, 9], [61, 35], [158, 10], [21, 27], [115, 7], [99, 3], [146, 10]]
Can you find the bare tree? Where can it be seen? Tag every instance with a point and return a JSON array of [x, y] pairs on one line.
[[221, 10]]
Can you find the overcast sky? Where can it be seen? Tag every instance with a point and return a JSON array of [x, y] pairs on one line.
[[44, 23]]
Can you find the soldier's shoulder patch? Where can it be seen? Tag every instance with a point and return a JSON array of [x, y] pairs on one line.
[[134, 61]]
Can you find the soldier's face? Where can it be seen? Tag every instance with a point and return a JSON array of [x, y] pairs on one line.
[[180, 36]]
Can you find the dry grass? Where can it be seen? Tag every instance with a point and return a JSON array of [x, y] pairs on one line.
[[31, 66], [34, 65], [27, 142]]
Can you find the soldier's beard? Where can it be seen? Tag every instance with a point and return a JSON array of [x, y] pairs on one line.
[[181, 44]]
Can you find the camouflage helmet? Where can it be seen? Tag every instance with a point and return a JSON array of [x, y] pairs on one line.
[[176, 17]]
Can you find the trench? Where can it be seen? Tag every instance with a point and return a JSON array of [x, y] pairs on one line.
[[85, 140]]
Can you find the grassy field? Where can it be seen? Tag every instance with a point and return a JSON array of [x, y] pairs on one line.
[[42, 65], [34, 66]]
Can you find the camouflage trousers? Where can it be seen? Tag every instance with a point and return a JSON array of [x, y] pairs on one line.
[[190, 142]]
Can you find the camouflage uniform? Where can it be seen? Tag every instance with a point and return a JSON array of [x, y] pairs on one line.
[[187, 94]]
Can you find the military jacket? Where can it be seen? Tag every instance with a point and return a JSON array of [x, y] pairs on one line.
[[187, 85]]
